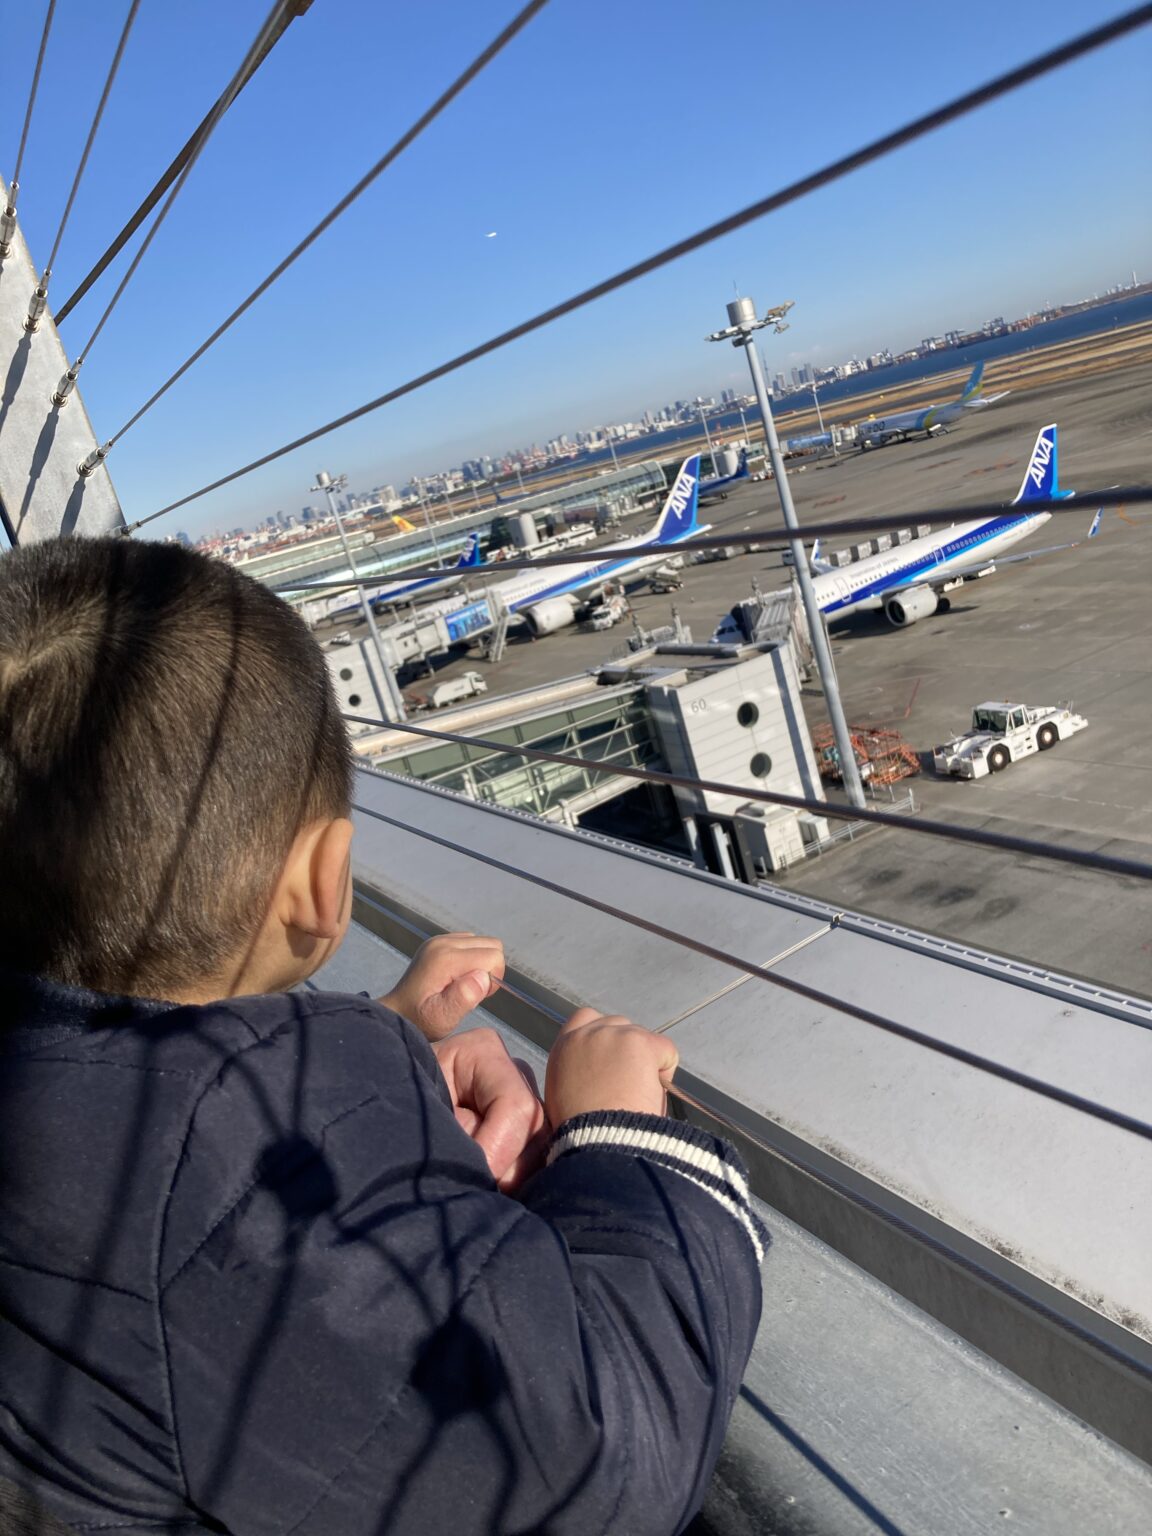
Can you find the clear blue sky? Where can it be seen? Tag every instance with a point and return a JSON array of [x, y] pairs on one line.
[[609, 129]]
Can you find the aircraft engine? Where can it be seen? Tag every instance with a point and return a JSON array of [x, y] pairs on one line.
[[552, 614], [907, 607]]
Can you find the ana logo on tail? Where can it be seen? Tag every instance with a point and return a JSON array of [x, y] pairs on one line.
[[470, 554], [678, 515], [1042, 480]]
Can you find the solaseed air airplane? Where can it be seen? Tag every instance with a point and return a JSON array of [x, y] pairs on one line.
[[901, 425]]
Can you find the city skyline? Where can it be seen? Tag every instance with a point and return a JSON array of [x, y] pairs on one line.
[[580, 150], [500, 466]]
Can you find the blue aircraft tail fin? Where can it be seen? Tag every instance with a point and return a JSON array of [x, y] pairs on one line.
[[1042, 478], [470, 554], [678, 516], [742, 466], [973, 385], [1095, 528]]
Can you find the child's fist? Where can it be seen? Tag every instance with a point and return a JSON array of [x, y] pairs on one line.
[[449, 976], [603, 1061]]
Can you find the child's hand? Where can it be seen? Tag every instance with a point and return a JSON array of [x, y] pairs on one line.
[[449, 976], [603, 1061], [496, 1101]]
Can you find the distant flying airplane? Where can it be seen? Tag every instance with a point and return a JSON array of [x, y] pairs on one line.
[[879, 430], [911, 581], [390, 592], [548, 600], [719, 486]]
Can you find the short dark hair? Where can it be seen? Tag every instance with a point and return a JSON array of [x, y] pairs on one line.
[[167, 727]]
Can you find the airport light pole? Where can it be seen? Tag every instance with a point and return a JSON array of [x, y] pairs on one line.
[[819, 415], [394, 709], [708, 440], [741, 332], [428, 522]]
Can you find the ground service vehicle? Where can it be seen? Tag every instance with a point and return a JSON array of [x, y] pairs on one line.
[[609, 611], [665, 578], [451, 691], [1001, 734]]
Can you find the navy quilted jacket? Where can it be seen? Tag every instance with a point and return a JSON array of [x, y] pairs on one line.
[[254, 1278]]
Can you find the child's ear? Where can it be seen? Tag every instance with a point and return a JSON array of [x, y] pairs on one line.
[[314, 888]]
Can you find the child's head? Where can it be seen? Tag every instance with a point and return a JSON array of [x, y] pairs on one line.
[[174, 774]]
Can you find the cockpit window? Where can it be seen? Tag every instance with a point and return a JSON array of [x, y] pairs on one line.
[[989, 720]]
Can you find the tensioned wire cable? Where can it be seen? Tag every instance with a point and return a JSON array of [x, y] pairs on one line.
[[298, 9], [972, 512], [867, 1016], [101, 104], [812, 1170], [1003, 842], [32, 96], [272, 25], [477, 66], [959, 106]]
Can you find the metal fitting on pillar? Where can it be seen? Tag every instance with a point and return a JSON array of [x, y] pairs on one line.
[[67, 384], [94, 460], [8, 222], [38, 303]]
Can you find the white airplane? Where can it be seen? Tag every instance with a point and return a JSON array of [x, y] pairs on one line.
[[548, 600], [387, 593], [901, 425], [878, 430], [911, 581]]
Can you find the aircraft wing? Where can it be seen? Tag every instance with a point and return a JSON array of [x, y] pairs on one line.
[[970, 569], [972, 405]]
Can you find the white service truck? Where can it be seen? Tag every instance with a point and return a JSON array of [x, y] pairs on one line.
[[1002, 734], [608, 611], [451, 691]]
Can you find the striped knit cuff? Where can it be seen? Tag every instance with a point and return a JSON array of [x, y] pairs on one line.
[[709, 1163]]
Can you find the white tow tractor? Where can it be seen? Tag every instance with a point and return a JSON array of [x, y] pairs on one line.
[[1002, 734], [609, 611]]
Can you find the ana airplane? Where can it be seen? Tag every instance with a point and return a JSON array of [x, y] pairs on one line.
[[388, 593], [719, 486], [911, 581], [901, 425], [548, 600]]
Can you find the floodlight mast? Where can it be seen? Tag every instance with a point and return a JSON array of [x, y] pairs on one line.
[[393, 707], [741, 333]]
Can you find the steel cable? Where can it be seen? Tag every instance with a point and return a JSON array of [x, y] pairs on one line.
[[169, 176], [959, 106], [1003, 842], [1131, 495], [32, 96], [867, 1016], [101, 104], [272, 25], [810, 1169], [514, 27]]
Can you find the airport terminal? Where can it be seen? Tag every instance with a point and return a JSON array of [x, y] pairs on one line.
[[821, 748]]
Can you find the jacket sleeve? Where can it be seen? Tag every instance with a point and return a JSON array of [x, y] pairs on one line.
[[362, 1335]]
